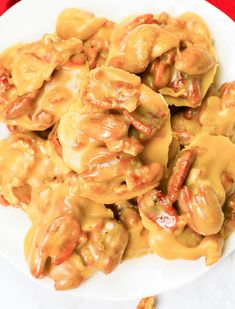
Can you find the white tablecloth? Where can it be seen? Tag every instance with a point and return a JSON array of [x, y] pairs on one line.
[[215, 290]]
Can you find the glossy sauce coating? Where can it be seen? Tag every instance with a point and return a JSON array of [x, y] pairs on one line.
[[117, 148]]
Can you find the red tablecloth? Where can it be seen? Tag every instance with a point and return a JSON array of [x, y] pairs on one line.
[[228, 6]]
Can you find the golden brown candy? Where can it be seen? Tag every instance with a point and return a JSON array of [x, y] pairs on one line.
[[104, 169]]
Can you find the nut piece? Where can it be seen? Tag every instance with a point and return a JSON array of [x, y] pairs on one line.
[[78, 24], [194, 61], [161, 73], [146, 303]]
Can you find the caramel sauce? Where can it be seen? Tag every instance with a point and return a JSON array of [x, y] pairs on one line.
[[99, 93]]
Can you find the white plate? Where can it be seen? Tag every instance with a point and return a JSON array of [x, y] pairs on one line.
[[150, 275]]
